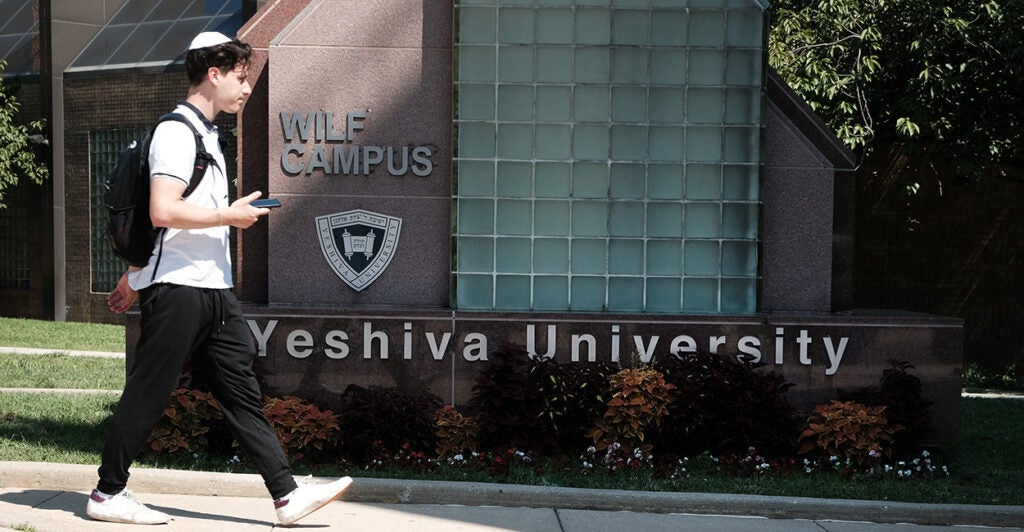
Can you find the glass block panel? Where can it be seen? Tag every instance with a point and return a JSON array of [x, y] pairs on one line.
[[627, 181], [704, 106], [476, 254], [476, 140], [550, 293], [554, 64], [740, 182], [742, 144], [629, 104], [477, 25], [590, 180], [587, 293], [512, 255], [476, 63], [554, 104], [668, 67], [663, 295], [664, 257], [703, 182], [739, 295], [590, 142], [515, 26], [512, 292], [590, 218], [739, 220], [743, 68], [551, 218], [707, 28], [668, 28], [667, 143], [703, 220], [665, 181], [552, 180], [476, 216], [700, 295], [700, 258], [554, 141], [515, 179], [743, 106], [629, 143], [664, 220], [630, 3], [627, 219], [593, 2], [515, 141], [591, 104], [626, 256], [666, 105], [704, 144], [705, 67], [476, 102], [515, 64], [745, 28], [625, 294], [630, 27], [476, 178], [546, 3], [515, 217], [515, 102], [739, 258], [592, 64], [629, 65], [554, 26], [551, 255], [589, 256], [593, 26], [474, 291]]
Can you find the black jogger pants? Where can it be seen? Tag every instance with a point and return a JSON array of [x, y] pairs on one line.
[[179, 322]]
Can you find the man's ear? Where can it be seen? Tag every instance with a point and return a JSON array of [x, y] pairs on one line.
[[214, 74]]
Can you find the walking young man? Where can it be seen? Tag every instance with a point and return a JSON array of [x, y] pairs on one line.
[[187, 305]]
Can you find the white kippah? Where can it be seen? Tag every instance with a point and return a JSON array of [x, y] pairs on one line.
[[207, 39]]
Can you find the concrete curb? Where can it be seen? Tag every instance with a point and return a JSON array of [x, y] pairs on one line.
[[69, 477], [51, 351]]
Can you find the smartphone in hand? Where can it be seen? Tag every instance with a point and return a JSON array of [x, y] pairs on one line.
[[268, 203]]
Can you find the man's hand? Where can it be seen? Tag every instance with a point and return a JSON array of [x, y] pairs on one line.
[[242, 215], [122, 297]]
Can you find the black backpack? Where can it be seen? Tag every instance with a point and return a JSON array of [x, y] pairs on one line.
[[130, 230]]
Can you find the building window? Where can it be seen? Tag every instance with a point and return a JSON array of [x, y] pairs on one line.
[[15, 240], [608, 157], [104, 148]]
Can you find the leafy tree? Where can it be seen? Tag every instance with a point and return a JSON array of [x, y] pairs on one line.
[[16, 158], [938, 81]]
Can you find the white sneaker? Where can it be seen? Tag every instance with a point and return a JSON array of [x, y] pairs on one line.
[[123, 508], [307, 499]]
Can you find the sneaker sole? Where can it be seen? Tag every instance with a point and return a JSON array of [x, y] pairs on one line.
[[328, 501]]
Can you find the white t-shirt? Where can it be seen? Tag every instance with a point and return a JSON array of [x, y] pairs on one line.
[[189, 257]]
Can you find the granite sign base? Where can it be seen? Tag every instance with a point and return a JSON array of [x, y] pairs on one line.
[[316, 353]]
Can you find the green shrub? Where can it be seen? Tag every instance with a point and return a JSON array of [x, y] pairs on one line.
[[900, 393], [639, 400], [725, 407], [377, 423], [859, 435], [186, 423], [304, 430]]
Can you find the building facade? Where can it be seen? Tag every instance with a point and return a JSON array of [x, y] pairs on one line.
[[611, 180]]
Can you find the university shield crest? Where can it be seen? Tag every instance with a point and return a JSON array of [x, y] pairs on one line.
[[358, 244]]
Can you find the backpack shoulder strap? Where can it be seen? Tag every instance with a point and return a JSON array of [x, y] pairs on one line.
[[203, 157]]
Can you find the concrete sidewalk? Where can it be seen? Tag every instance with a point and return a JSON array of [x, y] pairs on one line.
[[51, 497]]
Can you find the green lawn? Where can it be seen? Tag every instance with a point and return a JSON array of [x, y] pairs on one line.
[[57, 335]]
